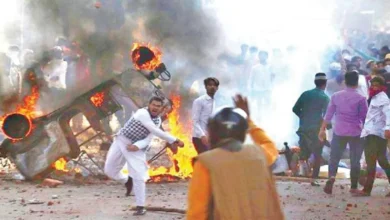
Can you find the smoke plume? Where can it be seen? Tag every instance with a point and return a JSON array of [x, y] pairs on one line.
[[185, 33]]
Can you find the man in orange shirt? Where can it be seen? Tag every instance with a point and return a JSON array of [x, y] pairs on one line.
[[235, 180]]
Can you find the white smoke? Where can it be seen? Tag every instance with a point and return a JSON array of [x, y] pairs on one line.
[[191, 37], [305, 25]]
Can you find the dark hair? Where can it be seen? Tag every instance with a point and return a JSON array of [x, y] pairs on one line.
[[211, 79], [14, 48], [369, 63], [378, 79], [253, 49], [351, 78], [169, 102], [355, 58], [56, 52], [320, 82], [61, 41], [263, 52], [385, 48], [349, 66], [156, 99], [380, 62]]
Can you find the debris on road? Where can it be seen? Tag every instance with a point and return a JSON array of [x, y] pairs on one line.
[[51, 183]]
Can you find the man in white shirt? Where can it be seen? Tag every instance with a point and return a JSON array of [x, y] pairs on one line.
[[247, 66], [130, 146], [260, 82], [363, 84], [202, 108], [55, 70], [375, 132]]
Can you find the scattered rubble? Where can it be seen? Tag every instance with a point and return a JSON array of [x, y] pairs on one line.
[[51, 183], [35, 202]]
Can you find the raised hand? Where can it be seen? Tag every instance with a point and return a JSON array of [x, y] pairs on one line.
[[242, 103]]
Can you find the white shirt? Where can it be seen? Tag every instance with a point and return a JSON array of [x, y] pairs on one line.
[[362, 86], [202, 108], [55, 73], [260, 78], [378, 116]]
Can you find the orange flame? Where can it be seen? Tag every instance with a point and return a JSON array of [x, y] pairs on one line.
[[97, 99], [182, 160], [60, 164], [150, 65], [27, 108]]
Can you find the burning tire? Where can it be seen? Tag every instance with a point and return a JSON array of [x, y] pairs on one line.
[[16, 126]]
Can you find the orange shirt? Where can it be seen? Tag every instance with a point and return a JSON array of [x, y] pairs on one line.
[[200, 186]]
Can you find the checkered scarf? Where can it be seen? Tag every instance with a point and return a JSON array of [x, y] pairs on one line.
[[135, 131]]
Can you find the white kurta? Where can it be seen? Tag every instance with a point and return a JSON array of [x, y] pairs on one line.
[[118, 154], [378, 116]]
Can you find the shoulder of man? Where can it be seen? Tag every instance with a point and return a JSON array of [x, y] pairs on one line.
[[386, 76], [141, 112], [200, 98], [338, 93], [305, 93], [381, 99], [324, 96]]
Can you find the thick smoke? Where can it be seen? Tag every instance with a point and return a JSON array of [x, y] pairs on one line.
[[187, 36]]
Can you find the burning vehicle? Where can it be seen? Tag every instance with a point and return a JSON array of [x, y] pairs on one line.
[[34, 142]]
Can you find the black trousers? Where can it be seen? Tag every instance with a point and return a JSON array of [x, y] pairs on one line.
[[199, 146], [309, 144], [375, 150]]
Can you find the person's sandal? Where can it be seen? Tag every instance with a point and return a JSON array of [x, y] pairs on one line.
[[315, 183], [360, 193], [329, 186], [140, 210]]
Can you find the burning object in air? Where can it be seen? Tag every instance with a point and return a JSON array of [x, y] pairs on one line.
[[147, 57]]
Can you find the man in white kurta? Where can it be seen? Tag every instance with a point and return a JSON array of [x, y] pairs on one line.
[[130, 146]]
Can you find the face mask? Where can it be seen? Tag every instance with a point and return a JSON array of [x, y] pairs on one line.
[[387, 68]]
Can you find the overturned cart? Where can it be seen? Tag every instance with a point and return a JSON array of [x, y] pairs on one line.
[[43, 140]]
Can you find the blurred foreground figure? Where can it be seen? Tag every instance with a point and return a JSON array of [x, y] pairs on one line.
[[232, 181]]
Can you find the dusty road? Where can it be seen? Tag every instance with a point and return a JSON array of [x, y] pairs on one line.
[[105, 200]]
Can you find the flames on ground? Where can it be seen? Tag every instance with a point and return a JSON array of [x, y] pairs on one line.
[[182, 160], [61, 166]]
